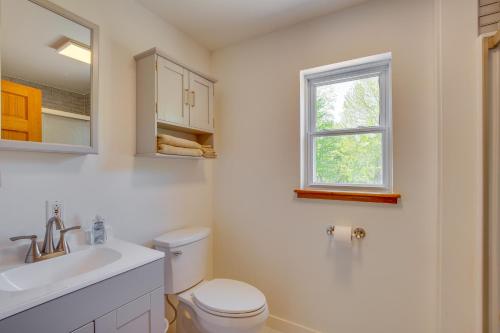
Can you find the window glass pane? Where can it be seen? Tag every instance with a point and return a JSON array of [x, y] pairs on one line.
[[348, 159], [350, 104]]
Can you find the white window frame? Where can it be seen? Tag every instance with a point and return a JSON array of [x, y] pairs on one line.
[[378, 65]]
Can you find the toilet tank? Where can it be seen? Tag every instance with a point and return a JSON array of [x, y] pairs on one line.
[[186, 257]]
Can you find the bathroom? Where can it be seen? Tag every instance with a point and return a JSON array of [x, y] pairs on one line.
[[414, 253]]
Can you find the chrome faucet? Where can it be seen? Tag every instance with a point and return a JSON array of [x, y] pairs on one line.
[[48, 249]]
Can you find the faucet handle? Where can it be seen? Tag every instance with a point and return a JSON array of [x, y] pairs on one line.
[[33, 251], [63, 245], [31, 237], [63, 231]]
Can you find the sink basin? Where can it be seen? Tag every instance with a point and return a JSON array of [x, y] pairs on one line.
[[24, 286], [56, 270]]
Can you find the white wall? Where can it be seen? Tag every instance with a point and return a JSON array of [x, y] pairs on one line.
[[460, 167], [267, 237], [139, 197]]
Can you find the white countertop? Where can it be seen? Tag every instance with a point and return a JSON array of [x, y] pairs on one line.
[[12, 302]]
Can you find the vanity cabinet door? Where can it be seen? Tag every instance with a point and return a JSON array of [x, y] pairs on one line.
[[89, 328], [172, 93], [202, 93], [144, 315], [108, 324]]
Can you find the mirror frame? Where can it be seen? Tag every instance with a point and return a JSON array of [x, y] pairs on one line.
[[94, 97]]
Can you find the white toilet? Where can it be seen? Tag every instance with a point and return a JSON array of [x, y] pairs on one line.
[[216, 306]]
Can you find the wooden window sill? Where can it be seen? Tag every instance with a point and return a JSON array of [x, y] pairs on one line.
[[387, 198]]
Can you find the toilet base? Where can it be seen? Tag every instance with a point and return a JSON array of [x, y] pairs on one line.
[[187, 323]]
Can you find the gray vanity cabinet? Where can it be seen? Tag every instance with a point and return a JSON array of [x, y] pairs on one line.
[[131, 302]]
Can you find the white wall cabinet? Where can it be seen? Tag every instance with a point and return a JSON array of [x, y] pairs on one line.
[[173, 97]]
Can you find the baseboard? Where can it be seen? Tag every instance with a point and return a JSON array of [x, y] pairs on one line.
[[287, 326]]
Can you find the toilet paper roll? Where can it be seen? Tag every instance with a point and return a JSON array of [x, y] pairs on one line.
[[342, 235]]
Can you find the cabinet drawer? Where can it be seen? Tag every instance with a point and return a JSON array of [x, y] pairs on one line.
[[133, 310]]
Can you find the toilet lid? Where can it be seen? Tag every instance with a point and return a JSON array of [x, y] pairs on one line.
[[229, 297]]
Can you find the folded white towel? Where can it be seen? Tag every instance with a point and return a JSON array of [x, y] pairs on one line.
[[208, 151], [172, 150], [177, 142]]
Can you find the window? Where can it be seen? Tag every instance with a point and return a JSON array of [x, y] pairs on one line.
[[346, 125]]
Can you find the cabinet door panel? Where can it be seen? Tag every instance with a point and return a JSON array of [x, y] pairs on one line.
[[143, 315], [108, 324], [89, 328], [138, 325], [158, 311], [172, 82], [201, 111], [133, 310]]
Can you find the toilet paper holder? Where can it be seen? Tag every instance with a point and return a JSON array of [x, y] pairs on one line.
[[357, 233]]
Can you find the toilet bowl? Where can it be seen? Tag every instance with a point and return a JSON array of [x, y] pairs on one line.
[[215, 306], [222, 306]]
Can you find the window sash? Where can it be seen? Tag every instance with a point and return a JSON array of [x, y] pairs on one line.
[[312, 161], [313, 84], [380, 69]]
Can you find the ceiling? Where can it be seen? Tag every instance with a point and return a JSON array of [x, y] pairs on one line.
[[28, 51], [218, 23]]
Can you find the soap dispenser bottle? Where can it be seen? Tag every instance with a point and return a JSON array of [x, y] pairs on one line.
[[98, 231]]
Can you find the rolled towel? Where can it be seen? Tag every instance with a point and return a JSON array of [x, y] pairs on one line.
[[164, 139], [172, 150]]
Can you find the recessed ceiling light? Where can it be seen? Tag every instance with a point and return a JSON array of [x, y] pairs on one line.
[[75, 51]]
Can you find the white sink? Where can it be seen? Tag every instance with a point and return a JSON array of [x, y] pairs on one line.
[[56, 270], [23, 286]]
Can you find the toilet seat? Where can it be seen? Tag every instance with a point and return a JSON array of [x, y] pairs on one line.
[[205, 312], [231, 315], [229, 298]]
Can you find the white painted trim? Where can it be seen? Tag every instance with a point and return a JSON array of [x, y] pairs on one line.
[[492, 281], [438, 64], [287, 326], [65, 114], [488, 303], [480, 263], [12, 145], [384, 57]]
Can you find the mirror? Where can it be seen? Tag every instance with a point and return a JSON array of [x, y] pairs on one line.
[[48, 73]]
